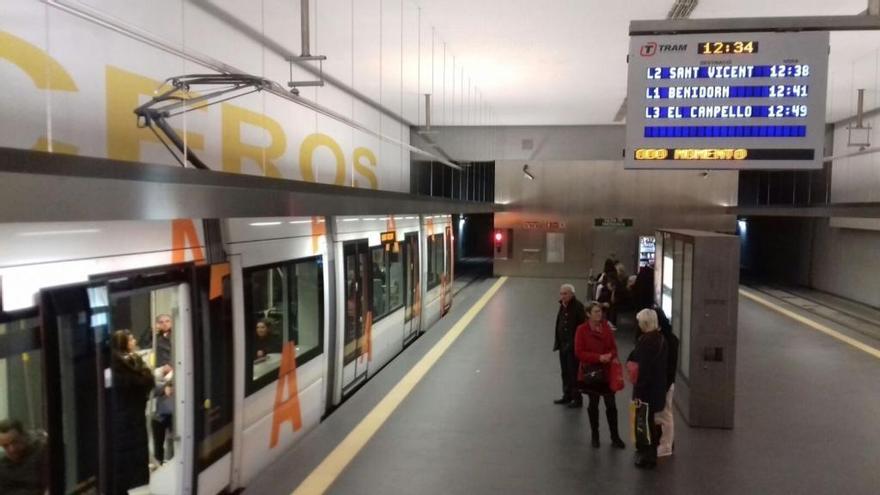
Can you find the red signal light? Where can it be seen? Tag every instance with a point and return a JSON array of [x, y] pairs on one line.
[[498, 237]]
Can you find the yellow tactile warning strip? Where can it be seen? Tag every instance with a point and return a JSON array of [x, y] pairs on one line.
[[810, 323], [326, 473]]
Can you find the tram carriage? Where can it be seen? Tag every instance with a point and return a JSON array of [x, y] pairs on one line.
[[335, 299]]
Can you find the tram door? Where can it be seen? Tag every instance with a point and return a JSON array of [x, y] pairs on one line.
[[358, 280], [450, 269], [121, 385], [413, 287]]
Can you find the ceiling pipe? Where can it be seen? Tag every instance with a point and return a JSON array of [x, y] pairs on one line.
[[304, 21]]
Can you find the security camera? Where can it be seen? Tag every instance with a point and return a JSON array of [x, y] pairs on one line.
[[705, 174], [527, 173]]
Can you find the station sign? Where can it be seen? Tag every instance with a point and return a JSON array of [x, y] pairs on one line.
[[727, 101], [612, 222]]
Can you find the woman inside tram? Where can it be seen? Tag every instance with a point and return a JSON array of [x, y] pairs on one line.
[[266, 341], [132, 383]]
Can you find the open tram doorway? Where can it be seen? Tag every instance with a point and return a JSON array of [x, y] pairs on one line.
[[133, 406]]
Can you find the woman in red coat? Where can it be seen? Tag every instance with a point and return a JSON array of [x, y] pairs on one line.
[[594, 346]]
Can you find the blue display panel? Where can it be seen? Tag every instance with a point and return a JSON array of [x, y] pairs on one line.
[[727, 112], [730, 71], [713, 92], [726, 131], [745, 101]]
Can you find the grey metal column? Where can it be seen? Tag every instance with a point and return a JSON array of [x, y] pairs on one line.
[[334, 372]]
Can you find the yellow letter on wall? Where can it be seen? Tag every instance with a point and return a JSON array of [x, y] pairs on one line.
[[363, 168], [307, 150], [234, 149], [124, 90]]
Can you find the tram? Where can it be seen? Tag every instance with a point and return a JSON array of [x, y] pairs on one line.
[[254, 330]]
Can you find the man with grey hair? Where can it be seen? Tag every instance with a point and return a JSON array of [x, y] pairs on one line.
[[570, 316]]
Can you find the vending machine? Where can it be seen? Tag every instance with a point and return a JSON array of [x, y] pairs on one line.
[[647, 249]]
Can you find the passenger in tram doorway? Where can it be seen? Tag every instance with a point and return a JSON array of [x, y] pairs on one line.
[[568, 318], [23, 463], [595, 348], [266, 341], [131, 385], [162, 421], [665, 418], [164, 347], [647, 367]]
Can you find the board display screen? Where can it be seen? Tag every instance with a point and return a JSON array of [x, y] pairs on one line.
[[751, 101]]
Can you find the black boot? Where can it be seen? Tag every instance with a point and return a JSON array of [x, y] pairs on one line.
[[593, 413], [576, 401], [611, 415]]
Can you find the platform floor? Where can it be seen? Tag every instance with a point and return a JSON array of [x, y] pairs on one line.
[[482, 420]]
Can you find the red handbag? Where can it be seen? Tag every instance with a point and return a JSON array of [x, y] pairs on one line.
[[615, 376]]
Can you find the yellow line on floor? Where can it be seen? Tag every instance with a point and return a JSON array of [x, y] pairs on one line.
[[812, 324], [330, 468]]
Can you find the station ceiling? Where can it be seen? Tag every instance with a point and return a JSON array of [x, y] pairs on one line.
[[563, 62]]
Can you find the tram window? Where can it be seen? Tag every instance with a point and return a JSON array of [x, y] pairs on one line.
[[395, 277], [380, 282], [435, 260], [387, 280], [21, 408], [283, 303]]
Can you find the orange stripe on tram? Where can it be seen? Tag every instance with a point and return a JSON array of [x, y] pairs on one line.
[[368, 334], [183, 237], [286, 409]]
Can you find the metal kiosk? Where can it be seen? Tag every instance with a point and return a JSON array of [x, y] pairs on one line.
[[697, 287]]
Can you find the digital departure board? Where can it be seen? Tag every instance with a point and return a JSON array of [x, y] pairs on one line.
[[727, 101]]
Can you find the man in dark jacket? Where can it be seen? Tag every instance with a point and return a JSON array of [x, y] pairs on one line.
[[22, 460], [570, 316], [649, 360]]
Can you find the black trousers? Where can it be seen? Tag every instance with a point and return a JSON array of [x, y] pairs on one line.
[[568, 367], [610, 414], [161, 424]]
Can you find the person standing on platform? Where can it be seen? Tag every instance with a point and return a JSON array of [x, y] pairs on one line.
[[570, 316], [666, 418], [596, 348], [647, 367]]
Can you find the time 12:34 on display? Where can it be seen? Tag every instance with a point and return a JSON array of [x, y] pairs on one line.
[[727, 47]]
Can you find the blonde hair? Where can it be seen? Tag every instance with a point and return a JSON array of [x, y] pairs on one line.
[[647, 320]]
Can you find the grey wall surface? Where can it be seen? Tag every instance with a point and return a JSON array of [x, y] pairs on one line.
[[527, 142], [846, 262], [574, 193]]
